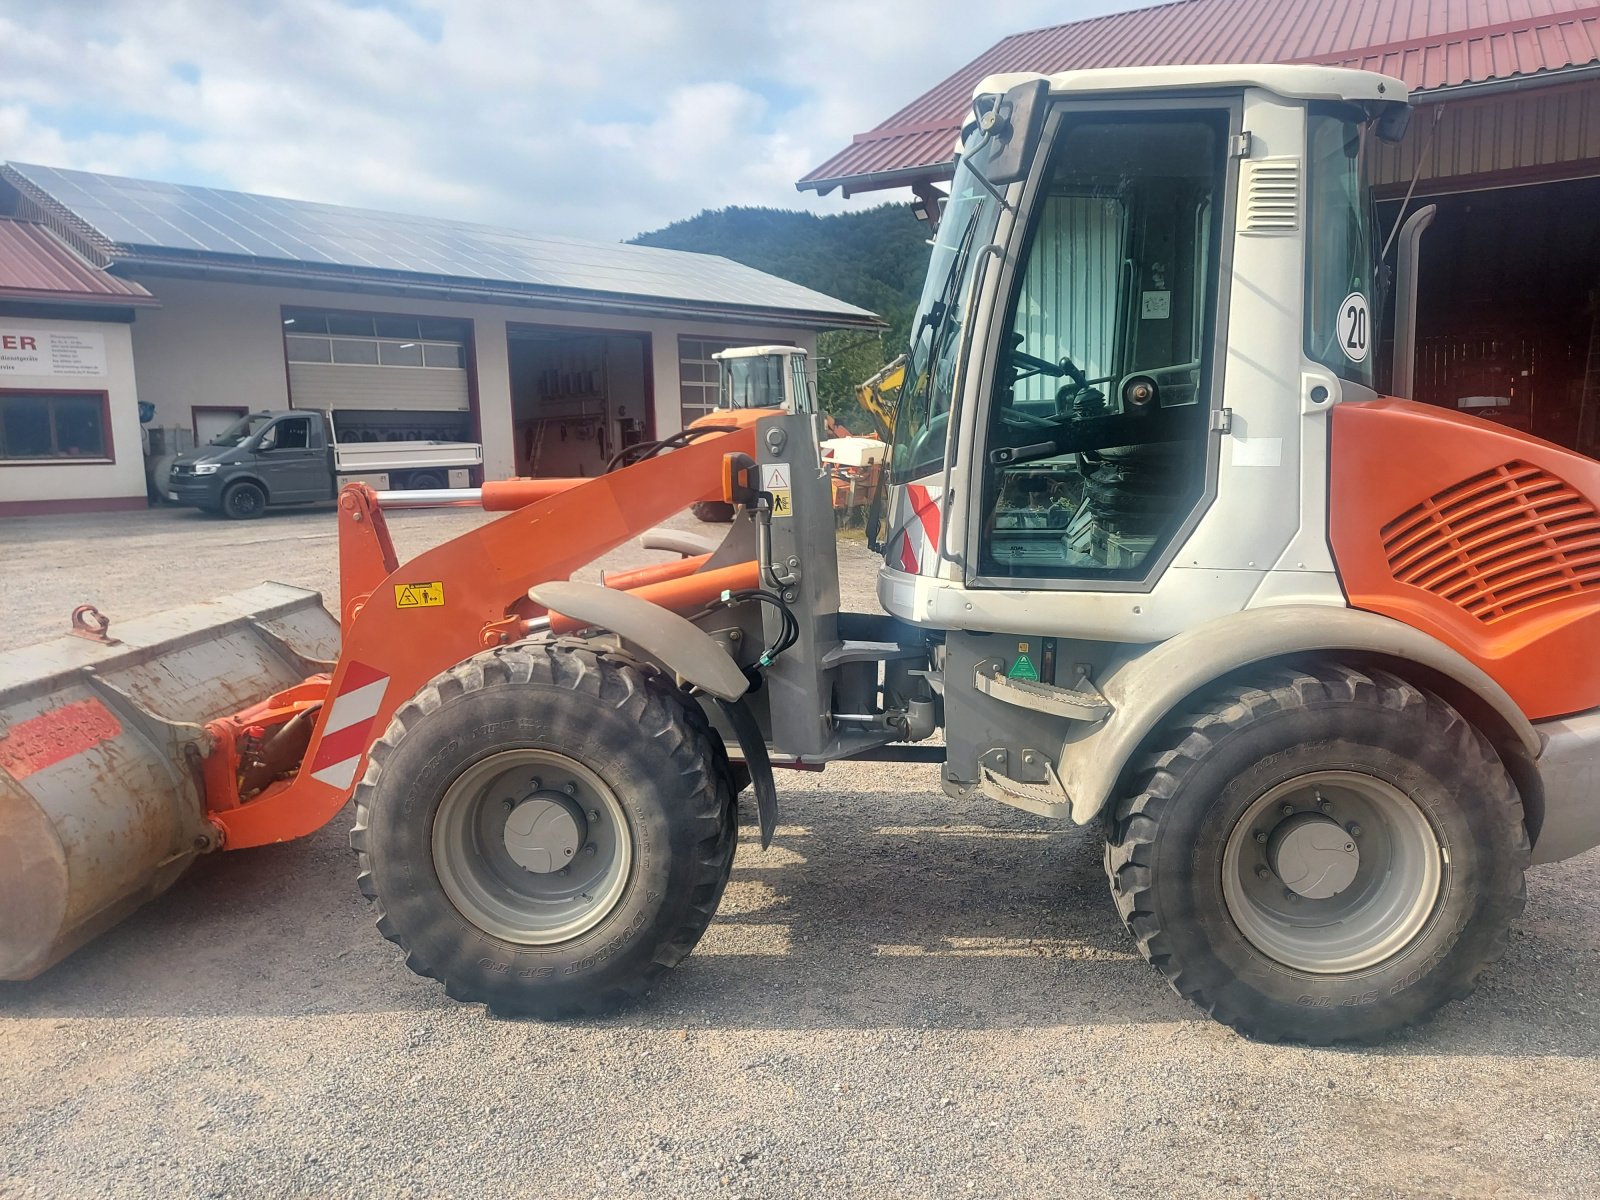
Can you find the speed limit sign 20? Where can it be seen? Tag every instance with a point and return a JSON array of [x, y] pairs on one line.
[[1355, 327]]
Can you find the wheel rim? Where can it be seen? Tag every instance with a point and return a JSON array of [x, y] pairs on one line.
[[532, 847], [244, 501], [1332, 872]]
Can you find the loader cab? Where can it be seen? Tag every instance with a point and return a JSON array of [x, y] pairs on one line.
[[1113, 306], [764, 377]]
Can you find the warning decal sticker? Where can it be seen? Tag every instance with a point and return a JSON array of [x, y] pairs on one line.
[[419, 595], [1023, 668]]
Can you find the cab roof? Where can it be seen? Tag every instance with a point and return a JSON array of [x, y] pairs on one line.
[[757, 351], [1300, 82]]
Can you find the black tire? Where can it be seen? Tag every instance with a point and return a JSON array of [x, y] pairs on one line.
[[712, 512], [1167, 853], [424, 481], [665, 766], [244, 501]]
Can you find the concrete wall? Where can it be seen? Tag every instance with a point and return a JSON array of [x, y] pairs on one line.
[[117, 482], [222, 343]]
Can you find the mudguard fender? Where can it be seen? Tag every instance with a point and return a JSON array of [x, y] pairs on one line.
[[679, 541], [663, 635], [754, 746], [690, 653], [1153, 681]]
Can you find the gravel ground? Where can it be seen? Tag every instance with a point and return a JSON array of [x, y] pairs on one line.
[[906, 995]]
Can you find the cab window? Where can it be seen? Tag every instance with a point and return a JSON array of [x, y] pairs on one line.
[[1097, 431], [293, 433], [804, 402], [1340, 288]]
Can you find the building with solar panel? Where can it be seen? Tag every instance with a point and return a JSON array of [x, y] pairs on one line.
[[199, 305]]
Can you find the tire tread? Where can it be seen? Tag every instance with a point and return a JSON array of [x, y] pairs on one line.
[[1157, 777], [677, 724]]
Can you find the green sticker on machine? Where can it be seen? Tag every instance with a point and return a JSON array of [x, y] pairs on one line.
[[1022, 668]]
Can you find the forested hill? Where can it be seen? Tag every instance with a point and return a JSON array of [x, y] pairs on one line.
[[874, 258]]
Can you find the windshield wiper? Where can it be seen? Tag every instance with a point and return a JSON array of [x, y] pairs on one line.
[[939, 312]]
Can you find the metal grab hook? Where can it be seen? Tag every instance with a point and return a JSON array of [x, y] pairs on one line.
[[89, 622]]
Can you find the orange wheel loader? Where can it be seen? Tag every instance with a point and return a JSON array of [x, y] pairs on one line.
[[1321, 664]]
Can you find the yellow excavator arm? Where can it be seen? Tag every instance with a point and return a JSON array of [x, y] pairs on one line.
[[875, 395]]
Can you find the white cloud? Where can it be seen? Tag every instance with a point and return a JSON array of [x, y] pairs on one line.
[[596, 119]]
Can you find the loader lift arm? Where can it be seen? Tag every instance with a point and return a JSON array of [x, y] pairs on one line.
[[466, 595]]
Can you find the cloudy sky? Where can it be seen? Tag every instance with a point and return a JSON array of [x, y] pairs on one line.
[[591, 118]]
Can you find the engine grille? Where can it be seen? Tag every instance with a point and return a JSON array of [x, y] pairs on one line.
[[1500, 543]]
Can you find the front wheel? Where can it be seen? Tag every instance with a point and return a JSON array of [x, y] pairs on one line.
[[545, 831], [244, 501], [1320, 855]]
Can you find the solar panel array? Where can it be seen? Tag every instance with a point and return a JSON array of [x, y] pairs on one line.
[[166, 218]]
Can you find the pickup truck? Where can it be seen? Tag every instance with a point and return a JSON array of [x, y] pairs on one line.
[[272, 458]]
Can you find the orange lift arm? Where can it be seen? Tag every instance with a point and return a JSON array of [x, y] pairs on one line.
[[405, 624]]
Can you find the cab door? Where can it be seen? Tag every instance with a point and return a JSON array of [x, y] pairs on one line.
[[293, 461], [1095, 453]]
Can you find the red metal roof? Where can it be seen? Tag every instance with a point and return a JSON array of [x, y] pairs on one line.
[[37, 265], [1427, 43]]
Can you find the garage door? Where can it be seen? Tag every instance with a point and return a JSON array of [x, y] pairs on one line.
[[346, 362], [317, 385]]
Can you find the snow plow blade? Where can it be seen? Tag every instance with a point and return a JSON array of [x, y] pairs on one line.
[[102, 741]]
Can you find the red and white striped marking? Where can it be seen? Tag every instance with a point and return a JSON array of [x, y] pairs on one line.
[[915, 549], [345, 737]]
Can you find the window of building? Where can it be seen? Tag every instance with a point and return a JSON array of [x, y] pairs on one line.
[[54, 425], [697, 373], [375, 340]]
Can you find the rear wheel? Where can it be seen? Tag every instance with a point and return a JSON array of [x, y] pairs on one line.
[[424, 481], [1322, 855], [712, 512], [244, 501], [545, 831]]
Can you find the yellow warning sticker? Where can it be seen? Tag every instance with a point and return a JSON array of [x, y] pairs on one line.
[[782, 505], [419, 595]]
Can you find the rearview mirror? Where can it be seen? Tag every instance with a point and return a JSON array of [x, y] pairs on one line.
[[1394, 116], [1014, 121]]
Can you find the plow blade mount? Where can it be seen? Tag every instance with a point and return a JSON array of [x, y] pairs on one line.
[[102, 803]]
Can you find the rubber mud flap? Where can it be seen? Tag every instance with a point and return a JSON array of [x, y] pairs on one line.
[[754, 748]]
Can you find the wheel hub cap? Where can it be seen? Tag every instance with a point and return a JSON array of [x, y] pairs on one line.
[[542, 835], [532, 847], [1314, 857], [1332, 871]]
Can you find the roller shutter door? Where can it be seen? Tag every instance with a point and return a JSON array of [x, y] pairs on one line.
[[373, 389]]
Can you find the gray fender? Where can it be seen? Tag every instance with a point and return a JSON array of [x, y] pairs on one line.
[[244, 477], [1145, 688], [690, 653], [679, 542], [663, 635]]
